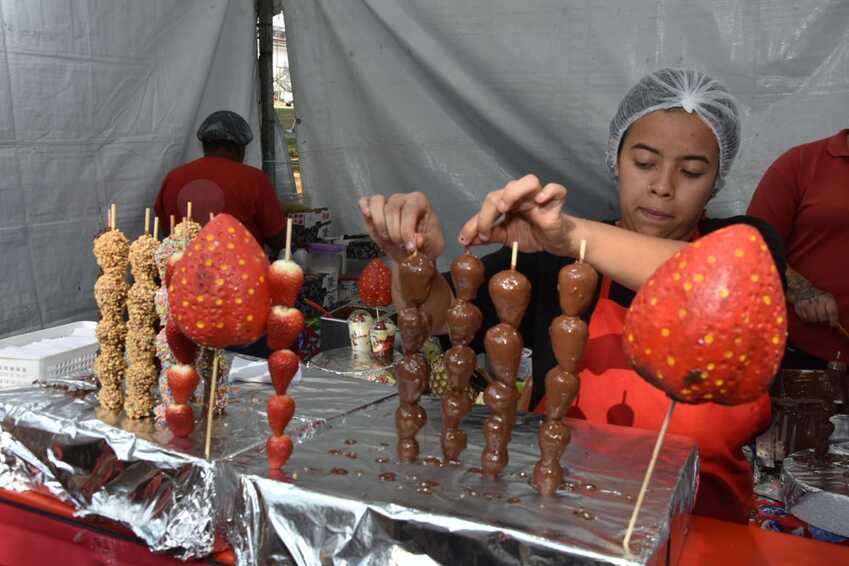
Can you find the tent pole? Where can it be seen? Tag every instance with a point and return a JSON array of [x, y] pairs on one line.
[[265, 15]]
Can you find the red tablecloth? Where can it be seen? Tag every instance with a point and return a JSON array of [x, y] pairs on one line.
[[38, 529]]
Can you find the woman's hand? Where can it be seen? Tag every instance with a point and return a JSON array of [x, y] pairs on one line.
[[402, 224], [532, 216]]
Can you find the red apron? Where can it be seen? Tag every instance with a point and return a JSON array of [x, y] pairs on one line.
[[612, 393]]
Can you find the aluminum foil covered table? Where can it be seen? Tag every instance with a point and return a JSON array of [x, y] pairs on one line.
[[817, 491], [140, 475], [346, 499]]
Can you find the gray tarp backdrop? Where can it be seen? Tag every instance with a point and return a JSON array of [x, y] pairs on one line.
[[100, 98], [456, 97]]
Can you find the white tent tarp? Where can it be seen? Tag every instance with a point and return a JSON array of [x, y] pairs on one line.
[[98, 100], [456, 97]]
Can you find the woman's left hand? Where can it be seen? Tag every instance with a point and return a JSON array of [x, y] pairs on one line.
[[533, 217]]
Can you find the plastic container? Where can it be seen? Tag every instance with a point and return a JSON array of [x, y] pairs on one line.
[[21, 367]]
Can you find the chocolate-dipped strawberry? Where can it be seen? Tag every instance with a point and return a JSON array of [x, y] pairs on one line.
[[561, 388], [414, 326], [413, 373], [467, 273], [416, 275], [568, 337], [464, 320], [511, 293], [576, 284], [503, 345], [460, 363]]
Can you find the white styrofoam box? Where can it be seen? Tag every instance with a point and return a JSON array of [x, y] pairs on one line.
[[53, 352]]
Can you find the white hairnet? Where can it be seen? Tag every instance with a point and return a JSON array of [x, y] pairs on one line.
[[691, 91]]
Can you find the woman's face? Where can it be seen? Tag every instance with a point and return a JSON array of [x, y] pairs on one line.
[[667, 166]]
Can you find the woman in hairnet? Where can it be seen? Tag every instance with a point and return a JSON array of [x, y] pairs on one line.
[[671, 145]]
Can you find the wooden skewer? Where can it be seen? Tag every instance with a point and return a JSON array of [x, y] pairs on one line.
[[156, 228], [213, 386], [211, 216], [146, 221], [172, 224], [288, 255], [842, 330], [114, 219], [583, 251], [660, 436], [515, 256], [189, 211]]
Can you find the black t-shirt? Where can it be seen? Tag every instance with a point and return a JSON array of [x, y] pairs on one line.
[[541, 269]]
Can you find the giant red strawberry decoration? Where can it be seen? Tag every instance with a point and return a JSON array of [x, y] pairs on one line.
[[375, 284], [218, 292], [710, 324]]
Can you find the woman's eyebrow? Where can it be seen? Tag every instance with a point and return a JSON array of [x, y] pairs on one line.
[[646, 147], [693, 157]]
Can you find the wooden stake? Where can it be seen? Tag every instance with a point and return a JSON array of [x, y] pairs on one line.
[[660, 436], [288, 255], [583, 251], [211, 216], [842, 330], [189, 211], [156, 228], [515, 256], [114, 220], [146, 221], [212, 387], [172, 224]]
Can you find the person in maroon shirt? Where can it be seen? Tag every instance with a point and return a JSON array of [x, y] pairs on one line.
[[805, 196], [220, 182]]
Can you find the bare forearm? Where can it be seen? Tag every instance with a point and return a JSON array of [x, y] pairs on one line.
[[437, 303], [629, 258], [799, 288]]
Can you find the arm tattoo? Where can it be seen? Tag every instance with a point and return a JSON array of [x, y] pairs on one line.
[[798, 288]]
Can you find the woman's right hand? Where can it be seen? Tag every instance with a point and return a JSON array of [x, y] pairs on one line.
[[402, 224]]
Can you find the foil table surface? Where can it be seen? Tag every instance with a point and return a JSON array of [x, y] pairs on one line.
[[817, 490], [137, 473], [346, 499]]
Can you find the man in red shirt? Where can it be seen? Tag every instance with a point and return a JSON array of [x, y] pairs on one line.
[[805, 196], [220, 182]]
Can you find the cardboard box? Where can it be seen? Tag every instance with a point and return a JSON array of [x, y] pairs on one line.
[[310, 226]]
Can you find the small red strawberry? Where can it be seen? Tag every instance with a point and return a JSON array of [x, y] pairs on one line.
[[219, 290], [171, 265], [375, 284], [280, 411], [284, 325], [285, 279], [185, 351], [180, 419], [279, 449], [182, 380], [710, 323], [282, 365]]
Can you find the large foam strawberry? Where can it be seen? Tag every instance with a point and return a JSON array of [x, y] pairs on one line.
[[218, 292], [710, 324], [375, 284]]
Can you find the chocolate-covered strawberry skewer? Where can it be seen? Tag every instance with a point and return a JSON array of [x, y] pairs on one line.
[[576, 284], [464, 321], [511, 293], [285, 323], [416, 277]]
